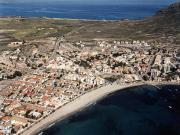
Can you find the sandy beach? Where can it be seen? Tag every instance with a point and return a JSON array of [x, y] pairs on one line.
[[76, 105], [82, 102]]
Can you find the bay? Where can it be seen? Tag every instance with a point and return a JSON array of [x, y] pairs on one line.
[[78, 11], [142, 110]]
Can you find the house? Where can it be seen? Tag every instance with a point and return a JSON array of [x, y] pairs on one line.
[[12, 106], [19, 121], [6, 118], [35, 115], [3, 76]]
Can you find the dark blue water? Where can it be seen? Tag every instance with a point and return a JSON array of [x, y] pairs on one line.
[[99, 12], [137, 111]]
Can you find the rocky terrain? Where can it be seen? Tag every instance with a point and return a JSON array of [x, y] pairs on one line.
[[171, 10]]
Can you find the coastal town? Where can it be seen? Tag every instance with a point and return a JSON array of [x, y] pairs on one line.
[[40, 83], [51, 68]]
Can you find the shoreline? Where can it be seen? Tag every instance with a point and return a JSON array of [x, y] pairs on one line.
[[71, 19], [77, 105], [83, 102], [92, 19]]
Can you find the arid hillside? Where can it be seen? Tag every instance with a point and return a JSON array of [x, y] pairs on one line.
[[162, 27]]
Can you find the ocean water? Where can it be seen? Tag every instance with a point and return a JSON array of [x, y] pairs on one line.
[[74, 11], [143, 110]]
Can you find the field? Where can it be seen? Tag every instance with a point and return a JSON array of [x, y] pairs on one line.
[[164, 29]]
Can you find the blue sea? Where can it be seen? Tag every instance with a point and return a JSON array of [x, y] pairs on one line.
[[78, 11], [142, 110]]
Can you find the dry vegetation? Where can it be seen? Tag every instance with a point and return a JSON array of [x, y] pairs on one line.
[[164, 28]]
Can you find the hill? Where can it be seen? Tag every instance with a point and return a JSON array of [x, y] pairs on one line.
[[163, 27], [171, 10]]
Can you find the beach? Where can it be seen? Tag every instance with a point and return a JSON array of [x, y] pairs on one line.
[[58, 60], [77, 105]]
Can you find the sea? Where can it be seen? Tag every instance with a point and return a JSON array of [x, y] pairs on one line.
[[141, 110], [79, 11]]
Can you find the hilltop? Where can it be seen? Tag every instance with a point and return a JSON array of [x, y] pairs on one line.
[[171, 10]]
